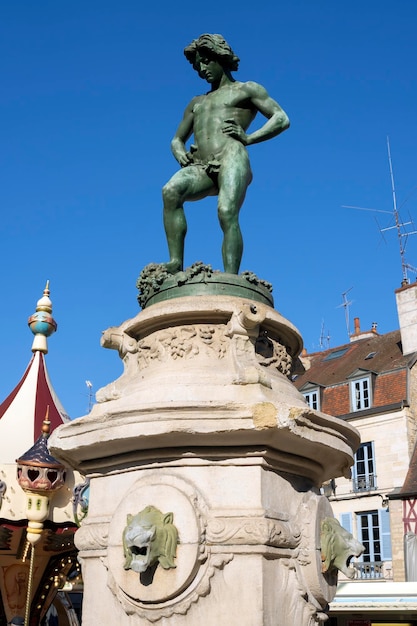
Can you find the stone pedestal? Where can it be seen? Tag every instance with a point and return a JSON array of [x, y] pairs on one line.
[[205, 425]]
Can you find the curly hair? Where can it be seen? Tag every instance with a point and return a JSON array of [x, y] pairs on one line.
[[214, 46]]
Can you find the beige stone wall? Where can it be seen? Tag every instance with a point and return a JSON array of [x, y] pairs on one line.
[[391, 436], [389, 432], [412, 411], [397, 539]]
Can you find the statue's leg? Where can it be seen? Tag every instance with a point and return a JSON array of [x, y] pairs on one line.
[[190, 183], [234, 177]]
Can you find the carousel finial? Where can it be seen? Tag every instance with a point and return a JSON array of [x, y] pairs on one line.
[[46, 424], [41, 323]]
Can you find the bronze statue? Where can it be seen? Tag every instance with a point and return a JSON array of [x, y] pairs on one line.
[[218, 162]]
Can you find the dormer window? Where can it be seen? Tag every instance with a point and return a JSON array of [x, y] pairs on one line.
[[312, 399], [311, 394], [361, 390], [361, 394]]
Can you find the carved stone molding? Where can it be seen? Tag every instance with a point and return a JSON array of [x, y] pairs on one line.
[[182, 603], [183, 342], [273, 354], [92, 536], [304, 590], [255, 355], [252, 531]]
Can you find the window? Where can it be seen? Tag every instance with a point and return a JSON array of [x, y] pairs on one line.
[[360, 391], [312, 398], [374, 534], [364, 475], [369, 535], [312, 395], [335, 354]]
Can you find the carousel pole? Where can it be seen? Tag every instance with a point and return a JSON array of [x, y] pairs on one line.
[[30, 583]]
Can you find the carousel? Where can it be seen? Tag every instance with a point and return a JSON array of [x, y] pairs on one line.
[[39, 497]]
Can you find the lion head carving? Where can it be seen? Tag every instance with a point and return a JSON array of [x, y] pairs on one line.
[[338, 547], [149, 537]]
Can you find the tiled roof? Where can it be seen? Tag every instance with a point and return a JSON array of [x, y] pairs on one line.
[[332, 369], [324, 371]]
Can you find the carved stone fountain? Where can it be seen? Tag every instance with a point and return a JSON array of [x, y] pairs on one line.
[[205, 465]]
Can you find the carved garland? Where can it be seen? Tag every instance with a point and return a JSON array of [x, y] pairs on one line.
[[183, 342], [256, 531]]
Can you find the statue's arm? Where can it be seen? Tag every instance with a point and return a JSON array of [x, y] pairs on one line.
[[277, 119], [184, 132]]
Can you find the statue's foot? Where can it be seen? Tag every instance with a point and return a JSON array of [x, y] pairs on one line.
[[173, 266]]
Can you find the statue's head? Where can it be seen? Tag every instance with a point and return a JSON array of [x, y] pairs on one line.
[[215, 48]]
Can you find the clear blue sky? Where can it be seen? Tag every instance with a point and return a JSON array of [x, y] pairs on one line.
[[92, 93]]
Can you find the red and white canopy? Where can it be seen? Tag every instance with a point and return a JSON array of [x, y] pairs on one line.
[[23, 411]]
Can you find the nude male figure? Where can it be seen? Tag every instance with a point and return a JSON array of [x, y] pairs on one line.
[[218, 162]]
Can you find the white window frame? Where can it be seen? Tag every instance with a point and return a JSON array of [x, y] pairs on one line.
[[361, 393], [364, 469], [372, 540], [312, 397]]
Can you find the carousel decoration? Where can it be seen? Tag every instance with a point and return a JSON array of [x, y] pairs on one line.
[[37, 552], [40, 476]]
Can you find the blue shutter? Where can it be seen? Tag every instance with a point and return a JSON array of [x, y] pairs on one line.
[[372, 480], [385, 530], [346, 521]]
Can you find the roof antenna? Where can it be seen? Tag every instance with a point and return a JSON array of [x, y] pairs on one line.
[[346, 304], [324, 339], [400, 226]]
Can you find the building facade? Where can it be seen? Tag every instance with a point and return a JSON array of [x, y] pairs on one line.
[[372, 383]]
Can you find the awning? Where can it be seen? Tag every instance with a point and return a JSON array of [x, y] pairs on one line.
[[371, 596]]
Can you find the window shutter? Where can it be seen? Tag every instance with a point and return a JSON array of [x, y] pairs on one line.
[[346, 521], [385, 530]]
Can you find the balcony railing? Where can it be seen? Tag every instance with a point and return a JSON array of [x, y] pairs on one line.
[[369, 570], [364, 483]]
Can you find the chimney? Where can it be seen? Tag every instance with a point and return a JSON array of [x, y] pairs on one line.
[[366, 334], [406, 297], [305, 359]]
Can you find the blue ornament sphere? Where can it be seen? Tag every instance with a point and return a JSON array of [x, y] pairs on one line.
[[41, 323]]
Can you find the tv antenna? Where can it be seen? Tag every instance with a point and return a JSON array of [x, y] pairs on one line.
[[324, 337], [404, 229], [346, 304]]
